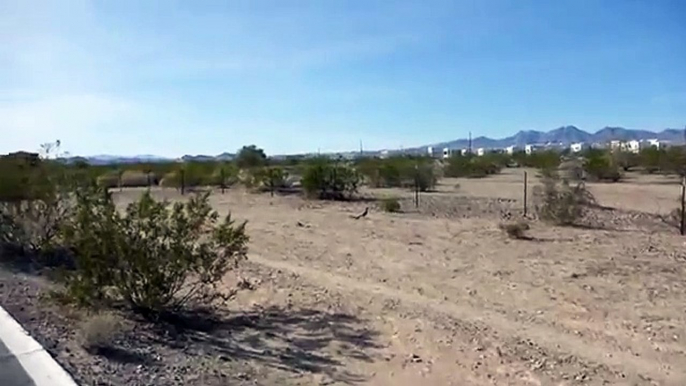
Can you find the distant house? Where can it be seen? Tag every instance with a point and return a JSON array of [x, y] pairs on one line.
[[430, 151], [529, 149], [632, 146], [511, 149], [656, 143], [577, 147], [615, 144], [383, 154], [464, 151], [447, 152], [480, 151]]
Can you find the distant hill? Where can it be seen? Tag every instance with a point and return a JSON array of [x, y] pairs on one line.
[[564, 135]]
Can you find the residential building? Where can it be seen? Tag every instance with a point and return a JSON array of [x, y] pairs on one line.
[[480, 151], [577, 147], [464, 151], [615, 144], [447, 152], [655, 143], [511, 149], [528, 149]]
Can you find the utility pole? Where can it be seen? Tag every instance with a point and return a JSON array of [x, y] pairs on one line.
[[361, 151], [470, 142]]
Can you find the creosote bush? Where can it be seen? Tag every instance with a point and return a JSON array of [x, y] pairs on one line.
[[391, 205], [154, 257], [560, 203]]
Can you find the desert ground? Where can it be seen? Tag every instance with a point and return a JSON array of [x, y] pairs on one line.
[[434, 295]]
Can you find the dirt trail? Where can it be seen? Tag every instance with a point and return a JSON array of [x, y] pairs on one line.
[[454, 301], [632, 366]]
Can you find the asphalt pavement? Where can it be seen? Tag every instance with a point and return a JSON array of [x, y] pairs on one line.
[[11, 371]]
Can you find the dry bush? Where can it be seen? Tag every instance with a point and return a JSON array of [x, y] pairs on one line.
[[560, 203], [515, 230], [391, 205], [99, 332]]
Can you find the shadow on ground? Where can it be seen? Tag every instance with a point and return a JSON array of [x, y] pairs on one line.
[[295, 341]]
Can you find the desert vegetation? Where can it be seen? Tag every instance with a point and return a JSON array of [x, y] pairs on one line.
[[348, 277]]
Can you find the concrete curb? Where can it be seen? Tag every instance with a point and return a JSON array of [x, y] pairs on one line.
[[38, 364]]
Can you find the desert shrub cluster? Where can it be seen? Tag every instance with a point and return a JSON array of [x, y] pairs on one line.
[[328, 180], [152, 257], [399, 172]]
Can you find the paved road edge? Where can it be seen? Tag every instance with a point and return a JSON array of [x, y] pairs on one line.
[[36, 361]]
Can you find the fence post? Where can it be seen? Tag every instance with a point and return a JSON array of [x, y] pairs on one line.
[[416, 186], [683, 206], [183, 182], [222, 176], [525, 192]]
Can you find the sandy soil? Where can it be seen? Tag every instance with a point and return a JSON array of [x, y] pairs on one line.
[[438, 295]]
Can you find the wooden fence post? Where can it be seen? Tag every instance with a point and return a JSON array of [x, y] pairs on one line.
[[525, 191], [682, 226]]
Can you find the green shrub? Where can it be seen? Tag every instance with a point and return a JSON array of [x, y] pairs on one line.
[[600, 167], [391, 205], [34, 201], [152, 257]]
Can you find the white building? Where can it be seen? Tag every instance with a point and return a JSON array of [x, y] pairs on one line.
[[615, 144], [656, 143], [446, 152], [480, 151], [430, 151], [577, 147], [511, 149], [383, 154], [464, 151], [528, 149], [632, 146]]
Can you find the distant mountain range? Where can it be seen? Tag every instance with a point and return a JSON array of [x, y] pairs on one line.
[[564, 135]]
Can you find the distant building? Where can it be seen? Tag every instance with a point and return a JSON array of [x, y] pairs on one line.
[[529, 149], [511, 149], [383, 154], [464, 151], [632, 146], [656, 143], [480, 151], [615, 144], [430, 151], [447, 152], [577, 147]]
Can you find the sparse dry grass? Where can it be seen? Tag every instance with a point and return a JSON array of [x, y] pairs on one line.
[[99, 332], [515, 230]]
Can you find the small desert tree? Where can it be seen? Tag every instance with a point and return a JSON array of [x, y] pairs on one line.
[[250, 157]]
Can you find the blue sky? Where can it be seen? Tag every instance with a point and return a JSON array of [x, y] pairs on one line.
[[203, 77]]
